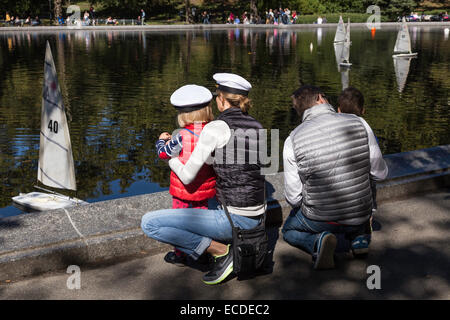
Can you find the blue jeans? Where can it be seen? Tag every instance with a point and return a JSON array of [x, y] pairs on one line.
[[191, 230], [302, 232]]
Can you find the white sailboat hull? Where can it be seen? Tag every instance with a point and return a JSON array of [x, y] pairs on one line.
[[39, 201], [405, 55], [345, 64]]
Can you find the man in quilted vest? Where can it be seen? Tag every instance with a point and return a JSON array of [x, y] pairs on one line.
[[328, 162]]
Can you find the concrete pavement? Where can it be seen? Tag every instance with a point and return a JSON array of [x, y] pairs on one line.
[[411, 245]]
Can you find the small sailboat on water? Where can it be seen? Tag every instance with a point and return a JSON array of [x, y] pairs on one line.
[[403, 43], [345, 57], [340, 31], [56, 168]]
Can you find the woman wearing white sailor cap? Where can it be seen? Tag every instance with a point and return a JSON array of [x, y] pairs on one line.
[[239, 184]]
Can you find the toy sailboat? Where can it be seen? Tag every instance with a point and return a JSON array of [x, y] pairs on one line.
[[403, 43], [56, 168]]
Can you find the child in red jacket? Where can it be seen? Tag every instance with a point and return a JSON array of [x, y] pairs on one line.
[[194, 112]]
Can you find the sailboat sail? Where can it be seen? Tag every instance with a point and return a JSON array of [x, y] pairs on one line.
[[338, 47], [401, 66], [56, 167], [346, 49], [340, 31], [403, 42]]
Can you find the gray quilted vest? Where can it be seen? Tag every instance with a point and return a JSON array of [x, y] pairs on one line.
[[332, 154]]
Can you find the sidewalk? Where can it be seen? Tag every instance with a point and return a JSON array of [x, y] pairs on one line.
[[411, 245]]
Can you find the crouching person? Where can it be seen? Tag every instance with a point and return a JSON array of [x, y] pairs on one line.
[[328, 162], [239, 184]]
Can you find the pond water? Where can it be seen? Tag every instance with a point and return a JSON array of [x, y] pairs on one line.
[[116, 86]]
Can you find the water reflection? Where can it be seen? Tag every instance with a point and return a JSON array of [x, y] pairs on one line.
[[401, 66], [117, 86]]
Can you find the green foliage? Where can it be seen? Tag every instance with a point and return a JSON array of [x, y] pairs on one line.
[[334, 18], [170, 9], [24, 8]]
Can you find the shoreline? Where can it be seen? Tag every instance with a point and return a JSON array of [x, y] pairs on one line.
[[196, 27], [109, 231]]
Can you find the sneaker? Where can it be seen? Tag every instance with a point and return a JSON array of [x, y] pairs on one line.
[[173, 258], [324, 256], [360, 245], [222, 268]]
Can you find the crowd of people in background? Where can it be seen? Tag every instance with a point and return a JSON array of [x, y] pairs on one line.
[[11, 20], [280, 16]]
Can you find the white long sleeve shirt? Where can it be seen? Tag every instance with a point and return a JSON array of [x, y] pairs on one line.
[[215, 134], [293, 186]]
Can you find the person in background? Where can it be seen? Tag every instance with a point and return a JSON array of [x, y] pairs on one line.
[[92, 15], [319, 20], [230, 19], [194, 14], [36, 21], [245, 18], [86, 18], [276, 17], [7, 18], [271, 16], [193, 104], [205, 17], [142, 16], [17, 21], [294, 17]]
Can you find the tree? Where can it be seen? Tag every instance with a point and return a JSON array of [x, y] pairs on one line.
[[57, 9], [188, 10]]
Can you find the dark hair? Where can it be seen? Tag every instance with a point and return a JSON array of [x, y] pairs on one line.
[[351, 100], [305, 97]]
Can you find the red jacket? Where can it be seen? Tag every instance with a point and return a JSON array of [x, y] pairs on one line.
[[204, 185]]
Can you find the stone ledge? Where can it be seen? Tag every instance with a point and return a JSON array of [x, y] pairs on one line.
[[184, 27], [36, 243]]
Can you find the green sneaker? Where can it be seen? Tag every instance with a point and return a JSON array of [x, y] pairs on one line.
[[221, 269]]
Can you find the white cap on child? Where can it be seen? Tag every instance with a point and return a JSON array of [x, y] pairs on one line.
[[232, 83], [190, 97]]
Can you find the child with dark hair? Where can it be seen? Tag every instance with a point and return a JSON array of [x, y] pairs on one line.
[[351, 100]]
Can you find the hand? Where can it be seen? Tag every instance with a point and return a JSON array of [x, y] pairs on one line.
[[165, 136]]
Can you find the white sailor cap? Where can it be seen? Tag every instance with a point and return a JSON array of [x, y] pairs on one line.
[[232, 83], [190, 97]]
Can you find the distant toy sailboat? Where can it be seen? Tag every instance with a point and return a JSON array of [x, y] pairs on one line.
[[401, 66], [345, 57], [340, 31], [403, 43], [56, 168]]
